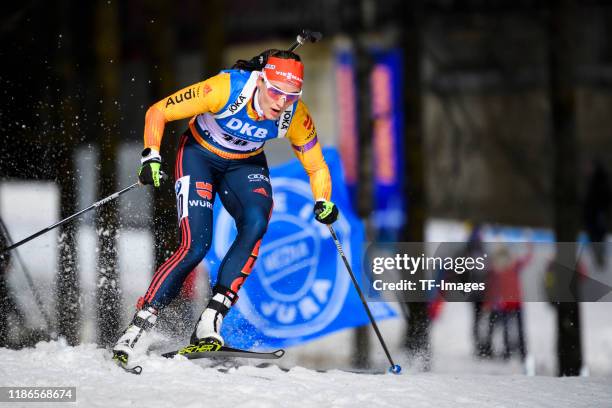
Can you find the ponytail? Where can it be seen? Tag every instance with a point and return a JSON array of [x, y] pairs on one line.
[[258, 62]]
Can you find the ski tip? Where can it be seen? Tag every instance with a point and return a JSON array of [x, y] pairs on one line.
[[395, 369], [132, 370], [279, 353], [135, 370]]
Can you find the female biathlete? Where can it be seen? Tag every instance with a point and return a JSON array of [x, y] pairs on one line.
[[233, 114]]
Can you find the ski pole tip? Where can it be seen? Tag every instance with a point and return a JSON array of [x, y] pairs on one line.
[[395, 369]]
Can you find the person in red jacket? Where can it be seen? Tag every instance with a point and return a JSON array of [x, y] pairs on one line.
[[504, 299]]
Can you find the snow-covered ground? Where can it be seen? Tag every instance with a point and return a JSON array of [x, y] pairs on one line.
[[456, 379], [181, 383]]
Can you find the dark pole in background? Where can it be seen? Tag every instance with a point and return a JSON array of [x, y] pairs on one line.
[[563, 127], [416, 341], [68, 307], [363, 71], [107, 43]]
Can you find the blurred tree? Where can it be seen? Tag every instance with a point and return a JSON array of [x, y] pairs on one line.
[[37, 53], [107, 48], [596, 210], [416, 341], [561, 66], [358, 25], [68, 307], [365, 186]]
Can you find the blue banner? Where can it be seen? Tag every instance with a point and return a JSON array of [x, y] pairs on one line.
[[299, 289], [386, 104], [387, 93], [348, 136]]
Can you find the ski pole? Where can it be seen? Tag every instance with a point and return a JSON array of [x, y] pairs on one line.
[[65, 220], [305, 35], [394, 368]]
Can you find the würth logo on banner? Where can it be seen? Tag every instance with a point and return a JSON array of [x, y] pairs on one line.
[[204, 190]]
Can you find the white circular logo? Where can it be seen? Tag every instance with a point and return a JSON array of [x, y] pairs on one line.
[[298, 285]]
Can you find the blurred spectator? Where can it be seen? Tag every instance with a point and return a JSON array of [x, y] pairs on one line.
[[475, 249], [504, 300], [597, 209]]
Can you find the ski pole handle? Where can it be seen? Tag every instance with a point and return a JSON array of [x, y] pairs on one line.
[[305, 35]]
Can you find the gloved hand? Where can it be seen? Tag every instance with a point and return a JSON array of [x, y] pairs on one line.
[[150, 169], [325, 212]]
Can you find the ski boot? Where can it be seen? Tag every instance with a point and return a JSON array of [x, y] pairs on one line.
[[143, 321], [207, 333]]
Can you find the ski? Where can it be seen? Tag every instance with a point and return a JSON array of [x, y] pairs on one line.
[[194, 352]]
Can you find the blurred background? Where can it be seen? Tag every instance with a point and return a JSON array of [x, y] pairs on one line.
[[450, 116]]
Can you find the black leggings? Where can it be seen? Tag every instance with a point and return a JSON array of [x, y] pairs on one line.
[[245, 191]]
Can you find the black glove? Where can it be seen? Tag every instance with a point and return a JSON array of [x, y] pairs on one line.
[[150, 169], [325, 212]]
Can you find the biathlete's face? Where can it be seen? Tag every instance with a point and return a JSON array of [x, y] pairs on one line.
[[276, 96]]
